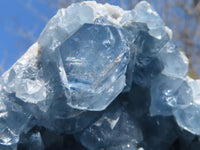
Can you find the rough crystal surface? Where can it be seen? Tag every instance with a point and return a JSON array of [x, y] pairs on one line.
[[100, 77]]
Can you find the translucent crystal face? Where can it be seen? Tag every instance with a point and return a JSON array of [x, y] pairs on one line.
[[188, 118], [94, 60], [8, 137], [80, 64], [113, 127], [169, 94], [175, 62]]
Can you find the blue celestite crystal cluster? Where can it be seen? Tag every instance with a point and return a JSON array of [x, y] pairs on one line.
[[101, 78]]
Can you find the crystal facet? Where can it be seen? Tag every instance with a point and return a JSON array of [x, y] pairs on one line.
[[94, 60], [100, 77]]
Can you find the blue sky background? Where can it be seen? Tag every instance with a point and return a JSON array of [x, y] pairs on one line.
[[20, 25], [21, 22]]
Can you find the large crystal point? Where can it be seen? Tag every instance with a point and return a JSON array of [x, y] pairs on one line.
[[94, 60]]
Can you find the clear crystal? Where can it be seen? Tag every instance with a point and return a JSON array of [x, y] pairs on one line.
[[94, 60], [188, 118], [175, 62], [103, 77], [168, 94]]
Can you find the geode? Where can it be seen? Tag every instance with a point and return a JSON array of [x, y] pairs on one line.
[[100, 77]]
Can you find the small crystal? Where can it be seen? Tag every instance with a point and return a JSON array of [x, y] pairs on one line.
[[168, 94], [188, 118], [175, 62]]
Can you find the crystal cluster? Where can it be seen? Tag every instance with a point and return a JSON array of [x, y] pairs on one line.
[[101, 78]]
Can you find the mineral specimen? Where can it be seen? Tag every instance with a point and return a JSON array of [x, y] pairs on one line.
[[100, 77]]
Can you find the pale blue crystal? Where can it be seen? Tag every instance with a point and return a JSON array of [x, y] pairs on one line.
[[63, 119], [94, 60], [195, 85], [147, 65], [100, 75], [12, 119], [64, 24], [175, 62], [114, 128], [144, 12], [132, 30], [147, 47], [168, 94], [188, 118]]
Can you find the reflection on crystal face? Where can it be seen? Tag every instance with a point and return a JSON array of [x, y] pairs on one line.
[[168, 94], [8, 137], [101, 77], [94, 59], [175, 62], [195, 85], [188, 118], [114, 129]]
